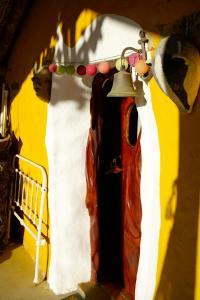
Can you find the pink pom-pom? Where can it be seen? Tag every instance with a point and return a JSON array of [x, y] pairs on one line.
[[91, 70], [133, 58], [104, 67], [52, 68]]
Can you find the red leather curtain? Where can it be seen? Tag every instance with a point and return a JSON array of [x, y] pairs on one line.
[[113, 163]]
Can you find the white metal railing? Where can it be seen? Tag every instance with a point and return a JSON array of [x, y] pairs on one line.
[[3, 111], [27, 199]]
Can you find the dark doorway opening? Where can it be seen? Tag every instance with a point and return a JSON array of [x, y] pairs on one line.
[[109, 196]]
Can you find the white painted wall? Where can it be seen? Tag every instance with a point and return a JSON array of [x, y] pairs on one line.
[[150, 197], [67, 129]]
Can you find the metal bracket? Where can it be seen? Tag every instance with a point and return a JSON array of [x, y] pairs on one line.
[[143, 40]]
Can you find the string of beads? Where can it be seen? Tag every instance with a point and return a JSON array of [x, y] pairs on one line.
[[134, 60]]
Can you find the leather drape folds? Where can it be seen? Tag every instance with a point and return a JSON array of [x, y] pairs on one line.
[[113, 164]]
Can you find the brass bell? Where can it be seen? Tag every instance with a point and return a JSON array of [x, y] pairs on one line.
[[122, 85]]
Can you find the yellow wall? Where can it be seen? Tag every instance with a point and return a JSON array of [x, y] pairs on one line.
[[178, 259], [28, 118]]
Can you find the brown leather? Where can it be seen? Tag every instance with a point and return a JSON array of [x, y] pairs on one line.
[[92, 202], [132, 210], [113, 189]]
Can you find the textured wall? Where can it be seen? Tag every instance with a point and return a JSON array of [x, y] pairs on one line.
[[178, 147]]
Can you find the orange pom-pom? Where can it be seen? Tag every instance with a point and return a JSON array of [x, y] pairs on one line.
[[104, 67], [141, 67]]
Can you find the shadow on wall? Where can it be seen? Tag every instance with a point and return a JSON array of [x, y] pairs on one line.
[[35, 37], [40, 24], [178, 275], [40, 45], [76, 92], [179, 268]]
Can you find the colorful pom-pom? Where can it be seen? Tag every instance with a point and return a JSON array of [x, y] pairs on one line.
[[91, 70], [133, 58], [121, 64], [81, 70], [103, 67], [141, 67], [52, 68], [61, 69], [70, 70]]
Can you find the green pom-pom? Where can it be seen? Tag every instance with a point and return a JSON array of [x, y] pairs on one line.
[[61, 69], [70, 70]]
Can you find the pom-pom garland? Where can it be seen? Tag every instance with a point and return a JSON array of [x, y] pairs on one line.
[[134, 60], [141, 67], [91, 70], [61, 69], [70, 69], [52, 68], [103, 67], [121, 64], [81, 70]]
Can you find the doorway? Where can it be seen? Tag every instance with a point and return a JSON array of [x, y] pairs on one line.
[[113, 189]]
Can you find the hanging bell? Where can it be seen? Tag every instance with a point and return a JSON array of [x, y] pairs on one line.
[[122, 85]]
